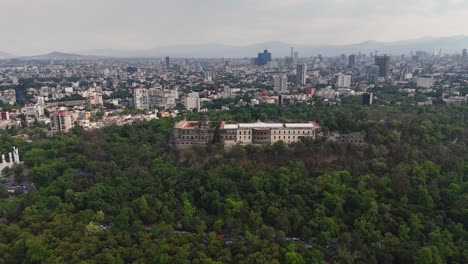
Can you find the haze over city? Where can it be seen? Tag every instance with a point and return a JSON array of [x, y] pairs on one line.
[[42, 26]]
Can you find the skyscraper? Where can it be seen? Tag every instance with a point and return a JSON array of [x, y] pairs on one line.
[[301, 72], [383, 61], [168, 62], [280, 83], [351, 60], [367, 98], [373, 74], [213, 73], [343, 59], [263, 58], [464, 56]]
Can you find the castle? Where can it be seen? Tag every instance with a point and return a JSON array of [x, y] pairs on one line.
[[189, 133], [13, 158]]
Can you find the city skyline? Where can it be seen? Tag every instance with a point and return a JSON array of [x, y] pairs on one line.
[[38, 27]]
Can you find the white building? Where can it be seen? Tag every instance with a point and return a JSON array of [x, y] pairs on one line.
[[141, 99], [36, 110], [301, 74], [425, 81], [343, 81], [8, 97], [280, 84], [192, 101], [13, 159], [160, 98], [95, 99]]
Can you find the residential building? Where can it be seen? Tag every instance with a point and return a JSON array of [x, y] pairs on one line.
[[161, 98], [61, 122], [95, 99], [192, 101], [8, 97], [280, 84], [343, 81], [141, 98]]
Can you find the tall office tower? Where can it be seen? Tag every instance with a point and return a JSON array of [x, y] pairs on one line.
[[61, 122], [141, 98], [296, 55], [168, 62], [263, 58], [383, 61], [373, 74], [343, 59], [280, 83], [464, 56], [343, 81], [292, 53], [351, 60], [301, 73], [367, 98], [404, 70]]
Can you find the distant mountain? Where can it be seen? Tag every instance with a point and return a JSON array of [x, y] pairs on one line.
[[57, 56], [280, 49], [4, 55]]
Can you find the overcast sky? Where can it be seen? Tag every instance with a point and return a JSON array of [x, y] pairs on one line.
[[38, 26]]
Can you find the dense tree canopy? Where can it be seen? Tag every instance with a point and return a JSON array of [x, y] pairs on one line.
[[123, 194]]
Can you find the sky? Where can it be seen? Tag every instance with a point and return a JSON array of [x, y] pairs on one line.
[[29, 27]]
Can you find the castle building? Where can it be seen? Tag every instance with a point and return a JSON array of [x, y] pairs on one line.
[[189, 133]]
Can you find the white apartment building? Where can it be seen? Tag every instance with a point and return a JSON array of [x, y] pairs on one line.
[[141, 99], [343, 81], [280, 84]]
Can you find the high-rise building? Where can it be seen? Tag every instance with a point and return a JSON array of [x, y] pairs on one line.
[[383, 61], [61, 122], [301, 73], [263, 58], [280, 83], [213, 74], [367, 98], [351, 60], [343, 59], [192, 101], [464, 56], [161, 98], [343, 81], [373, 74], [95, 99], [141, 98], [168, 65]]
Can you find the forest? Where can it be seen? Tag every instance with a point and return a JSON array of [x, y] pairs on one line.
[[123, 194]]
